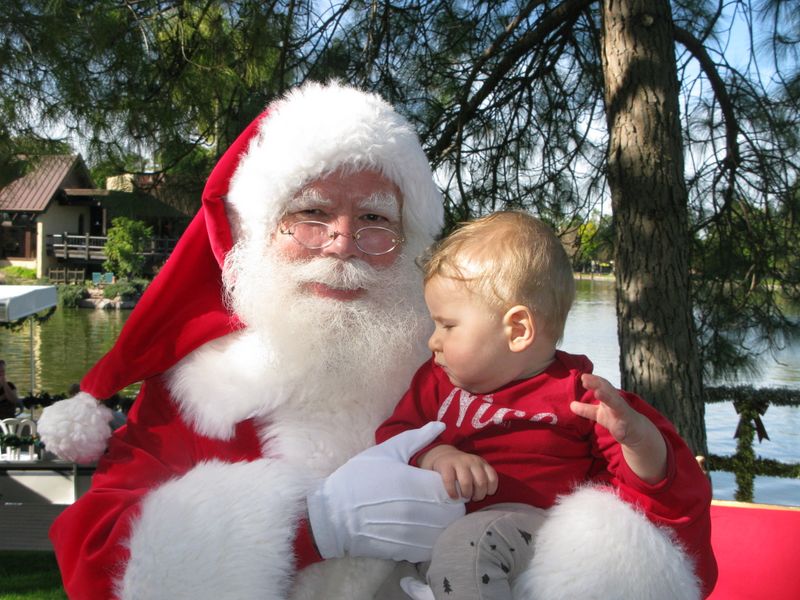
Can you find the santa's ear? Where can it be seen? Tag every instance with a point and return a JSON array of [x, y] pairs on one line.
[[520, 327]]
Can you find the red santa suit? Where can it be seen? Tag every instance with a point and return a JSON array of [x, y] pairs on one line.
[[542, 450], [203, 494]]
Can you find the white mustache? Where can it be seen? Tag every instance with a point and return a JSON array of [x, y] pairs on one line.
[[336, 273]]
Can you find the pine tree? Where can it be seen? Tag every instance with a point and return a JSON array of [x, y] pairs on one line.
[[446, 586]]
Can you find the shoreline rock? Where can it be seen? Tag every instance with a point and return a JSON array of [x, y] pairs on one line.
[[97, 301]]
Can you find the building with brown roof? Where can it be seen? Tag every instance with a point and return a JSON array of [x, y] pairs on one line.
[[56, 204], [40, 203]]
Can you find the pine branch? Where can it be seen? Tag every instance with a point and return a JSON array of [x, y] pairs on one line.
[[732, 158], [549, 22]]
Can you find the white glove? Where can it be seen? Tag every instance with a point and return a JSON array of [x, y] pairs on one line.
[[376, 505]]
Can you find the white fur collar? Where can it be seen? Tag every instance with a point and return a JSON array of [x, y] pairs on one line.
[[318, 426], [223, 383]]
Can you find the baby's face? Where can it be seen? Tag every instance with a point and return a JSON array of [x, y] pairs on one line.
[[469, 341]]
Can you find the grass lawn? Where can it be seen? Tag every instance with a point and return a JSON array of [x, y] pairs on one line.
[[29, 576]]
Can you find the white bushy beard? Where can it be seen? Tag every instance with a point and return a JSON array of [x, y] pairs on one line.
[[332, 343]]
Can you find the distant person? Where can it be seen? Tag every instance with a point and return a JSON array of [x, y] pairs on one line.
[[527, 424], [9, 401]]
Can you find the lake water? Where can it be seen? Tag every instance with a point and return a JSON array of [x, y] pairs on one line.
[[67, 345]]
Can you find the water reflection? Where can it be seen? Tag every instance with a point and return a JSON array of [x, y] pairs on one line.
[[592, 327], [65, 348], [592, 330]]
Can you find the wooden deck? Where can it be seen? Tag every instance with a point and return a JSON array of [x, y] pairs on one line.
[[91, 248], [25, 526]]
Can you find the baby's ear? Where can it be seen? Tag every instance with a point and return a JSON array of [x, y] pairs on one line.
[[520, 327]]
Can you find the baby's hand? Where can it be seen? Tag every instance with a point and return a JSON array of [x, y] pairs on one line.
[[474, 476], [613, 412], [642, 444]]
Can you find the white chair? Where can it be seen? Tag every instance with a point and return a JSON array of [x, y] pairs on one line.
[[19, 427]]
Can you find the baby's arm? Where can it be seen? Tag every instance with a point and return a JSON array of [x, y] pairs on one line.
[[642, 444], [474, 476]]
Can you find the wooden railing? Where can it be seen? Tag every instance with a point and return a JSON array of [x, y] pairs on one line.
[[91, 248], [67, 275]]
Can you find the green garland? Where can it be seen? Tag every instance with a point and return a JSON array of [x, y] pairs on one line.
[[765, 467], [12, 440], [747, 394], [751, 404]]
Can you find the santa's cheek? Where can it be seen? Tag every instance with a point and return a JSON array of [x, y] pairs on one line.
[[383, 261], [291, 251]]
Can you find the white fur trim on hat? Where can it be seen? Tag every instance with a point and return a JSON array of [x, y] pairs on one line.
[[76, 429], [314, 130], [593, 545]]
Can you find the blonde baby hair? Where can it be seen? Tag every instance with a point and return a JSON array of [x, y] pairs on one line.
[[509, 258]]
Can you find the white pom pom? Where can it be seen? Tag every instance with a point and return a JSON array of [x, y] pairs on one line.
[[76, 429]]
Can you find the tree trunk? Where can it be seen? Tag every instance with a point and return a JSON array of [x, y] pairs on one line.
[[659, 358]]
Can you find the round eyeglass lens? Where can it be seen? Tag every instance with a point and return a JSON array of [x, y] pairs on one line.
[[311, 235], [376, 240]]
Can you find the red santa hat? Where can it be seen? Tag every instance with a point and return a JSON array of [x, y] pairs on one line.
[[314, 130]]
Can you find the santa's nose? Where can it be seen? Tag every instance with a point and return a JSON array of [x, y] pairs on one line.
[[343, 245]]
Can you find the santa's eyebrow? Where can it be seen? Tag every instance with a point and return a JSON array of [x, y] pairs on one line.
[[383, 202], [308, 198]]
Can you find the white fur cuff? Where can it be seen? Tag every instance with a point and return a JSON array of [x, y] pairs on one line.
[[595, 546], [220, 531]]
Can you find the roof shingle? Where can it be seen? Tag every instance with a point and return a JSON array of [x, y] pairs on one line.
[[33, 191]]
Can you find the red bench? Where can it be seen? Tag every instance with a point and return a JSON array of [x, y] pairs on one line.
[[758, 551]]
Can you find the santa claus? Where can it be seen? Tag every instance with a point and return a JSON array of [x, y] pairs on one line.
[[283, 329]]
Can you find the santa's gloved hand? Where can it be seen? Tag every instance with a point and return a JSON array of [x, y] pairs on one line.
[[378, 506]]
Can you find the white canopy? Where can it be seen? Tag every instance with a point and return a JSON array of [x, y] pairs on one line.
[[19, 301]]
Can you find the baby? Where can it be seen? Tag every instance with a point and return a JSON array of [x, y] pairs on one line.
[[526, 423]]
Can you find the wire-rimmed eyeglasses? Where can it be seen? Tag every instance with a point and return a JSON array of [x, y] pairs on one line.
[[373, 239]]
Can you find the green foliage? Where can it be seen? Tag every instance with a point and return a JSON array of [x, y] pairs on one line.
[[18, 151], [127, 239], [747, 287], [29, 575], [112, 166], [12, 440], [126, 290], [69, 296], [19, 274], [594, 240], [174, 77]]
